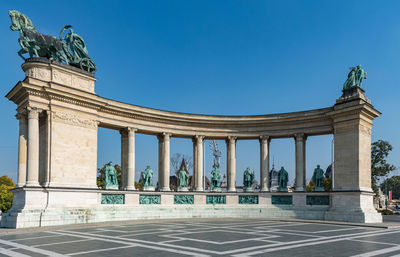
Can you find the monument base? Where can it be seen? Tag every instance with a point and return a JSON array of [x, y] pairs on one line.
[[217, 189], [183, 189], [38, 207], [248, 189], [148, 189], [353, 207]]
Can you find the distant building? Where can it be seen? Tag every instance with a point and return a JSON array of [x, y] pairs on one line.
[[273, 179]]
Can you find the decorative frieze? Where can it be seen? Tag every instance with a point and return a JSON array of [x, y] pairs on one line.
[[282, 199], [248, 199], [112, 199], [317, 200], [72, 119], [150, 199], [183, 199], [216, 199], [38, 73]]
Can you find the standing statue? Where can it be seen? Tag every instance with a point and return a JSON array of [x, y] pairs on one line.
[[355, 77], [147, 179], [80, 56], [111, 177], [183, 180], [283, 178], [215, 180], [39, 45], [248, 178], [318, 179], [216, 152]]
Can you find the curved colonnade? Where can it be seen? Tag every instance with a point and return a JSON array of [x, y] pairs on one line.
[[59, 114]]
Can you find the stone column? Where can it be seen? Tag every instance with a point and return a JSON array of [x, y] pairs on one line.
[[264, 163], [22, 148], [164, 160], [194, 163], [199, 164], [300, 140], [130, 183], [33, 148], [124, 157], [231, 163]]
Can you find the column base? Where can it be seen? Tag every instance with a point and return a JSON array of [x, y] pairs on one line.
[[300, 189], [165, 189], [232, 190], [131, 188], [32, 184], [266, 189], [199, 190]]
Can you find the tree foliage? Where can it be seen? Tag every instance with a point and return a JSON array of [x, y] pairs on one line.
[[310, 186], [393, 184], [101, 178], [176, 160], [379, 166], [327, 184], [6, 197]]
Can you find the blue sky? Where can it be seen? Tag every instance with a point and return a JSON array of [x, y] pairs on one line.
[[220, 57]]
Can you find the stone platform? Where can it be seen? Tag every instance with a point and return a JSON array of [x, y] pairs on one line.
[[203, 237], [49, 207]]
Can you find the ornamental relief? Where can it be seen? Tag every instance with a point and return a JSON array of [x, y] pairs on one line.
[[82, 84], [38, 73], [72, 119], [62, 78]]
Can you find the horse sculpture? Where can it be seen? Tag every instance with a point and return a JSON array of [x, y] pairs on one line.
[[36, 44]]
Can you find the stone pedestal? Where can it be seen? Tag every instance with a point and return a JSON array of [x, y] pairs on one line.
[[148, 188], [352, 199], [248, 189], [183, 189]]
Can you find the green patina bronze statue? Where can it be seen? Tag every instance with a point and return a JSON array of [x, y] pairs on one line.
[[111, 177], [215, 180], [283, 178], [71, 50], [183, 180], [147, 179], [318, 179], [248, 178], [355, 77]]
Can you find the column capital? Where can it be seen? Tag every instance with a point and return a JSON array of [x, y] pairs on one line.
[[21, 115], [33, 112], [300, 136], [264, 138], [131, 130], [231, 139], [198, 138], [165, 136], [127, 130]]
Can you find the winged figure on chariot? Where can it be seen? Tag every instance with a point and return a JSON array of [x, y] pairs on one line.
[[71, 49]]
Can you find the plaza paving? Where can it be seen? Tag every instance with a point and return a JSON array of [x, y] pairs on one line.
[[228, 237]]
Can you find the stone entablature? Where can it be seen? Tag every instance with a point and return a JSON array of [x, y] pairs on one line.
[[116, 115]]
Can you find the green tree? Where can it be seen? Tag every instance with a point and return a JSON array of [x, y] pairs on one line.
[[327, 184], [379, 166], [6, 197], [101, 178], [393, 184], [310, 186]]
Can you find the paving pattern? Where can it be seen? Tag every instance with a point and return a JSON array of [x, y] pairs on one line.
[[206, 238]]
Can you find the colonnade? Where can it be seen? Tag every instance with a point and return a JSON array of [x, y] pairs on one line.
[[28, 163]]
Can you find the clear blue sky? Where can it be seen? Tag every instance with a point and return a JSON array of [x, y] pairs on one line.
[[220, 57]]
